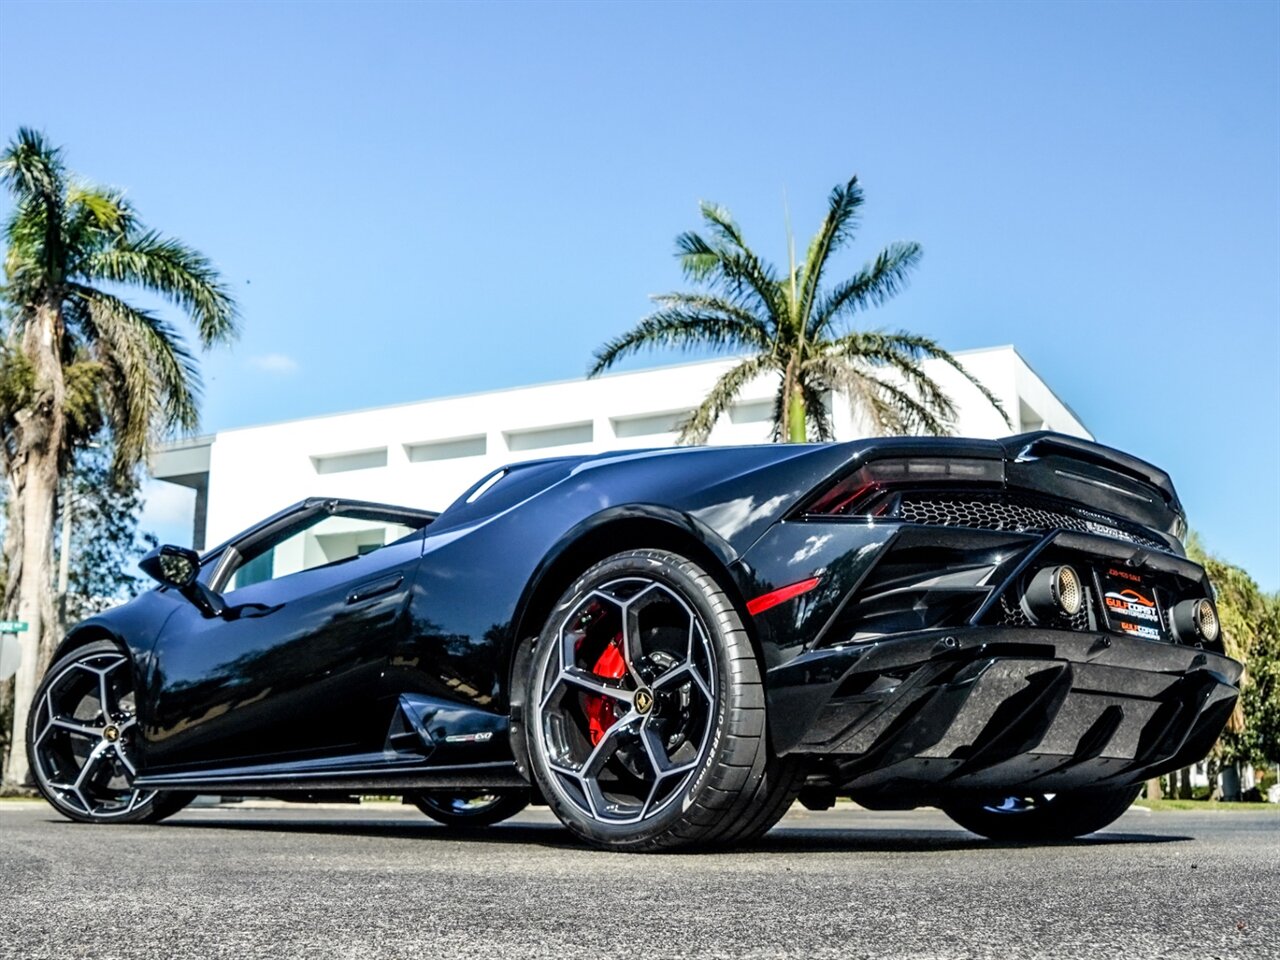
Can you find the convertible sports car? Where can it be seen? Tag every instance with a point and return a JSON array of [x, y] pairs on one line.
[[668, 647]]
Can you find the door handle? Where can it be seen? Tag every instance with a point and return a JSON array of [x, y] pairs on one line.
[[376, 588]]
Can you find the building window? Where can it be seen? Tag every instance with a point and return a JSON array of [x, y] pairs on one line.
[[355, 460], [518, 440], [454, 449], [753, 411], [650, 424]]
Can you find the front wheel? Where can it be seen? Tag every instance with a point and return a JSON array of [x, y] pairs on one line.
[[470, 808], [1044, 817], [82, 741], [646, 708]]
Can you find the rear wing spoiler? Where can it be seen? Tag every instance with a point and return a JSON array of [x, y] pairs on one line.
[[1050, 464], [1033, 446]]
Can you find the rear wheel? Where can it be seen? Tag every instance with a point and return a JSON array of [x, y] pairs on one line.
[[82, 741], [647, 715], [1040, 817], [470, 808]]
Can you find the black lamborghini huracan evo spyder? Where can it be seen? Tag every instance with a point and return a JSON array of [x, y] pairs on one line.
[[668, 647]]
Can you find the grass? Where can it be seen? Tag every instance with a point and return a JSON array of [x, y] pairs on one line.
[[1161, 806]]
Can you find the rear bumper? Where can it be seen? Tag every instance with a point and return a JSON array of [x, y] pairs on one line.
[[980, 709]]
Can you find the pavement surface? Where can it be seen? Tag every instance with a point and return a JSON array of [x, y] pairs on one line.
[[381, 881]]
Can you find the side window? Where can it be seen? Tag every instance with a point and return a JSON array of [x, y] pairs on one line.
[[330, 540]]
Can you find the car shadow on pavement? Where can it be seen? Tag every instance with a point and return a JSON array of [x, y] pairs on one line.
[[781, 839], [790, 840], [546, 835]]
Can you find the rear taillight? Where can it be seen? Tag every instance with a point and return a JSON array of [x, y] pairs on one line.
[[861, 492]]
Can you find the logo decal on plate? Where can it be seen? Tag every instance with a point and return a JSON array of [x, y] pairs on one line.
[[1131, 603], [1136, 630]]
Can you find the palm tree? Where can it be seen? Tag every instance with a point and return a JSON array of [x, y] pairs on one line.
[[78, 359], [796, 327]]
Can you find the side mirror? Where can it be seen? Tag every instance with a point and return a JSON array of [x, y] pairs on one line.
[[171, 566], [179, 567]]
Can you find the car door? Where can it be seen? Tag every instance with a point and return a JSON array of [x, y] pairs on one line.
[[291, 669]]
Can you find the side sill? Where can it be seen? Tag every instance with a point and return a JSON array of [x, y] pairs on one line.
[[396, 777]]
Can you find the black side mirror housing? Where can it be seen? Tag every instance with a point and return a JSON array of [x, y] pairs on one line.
[[179, 567], [171, 566]]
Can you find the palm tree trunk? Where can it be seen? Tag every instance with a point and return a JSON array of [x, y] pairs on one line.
[[33, 482], [797, 426]]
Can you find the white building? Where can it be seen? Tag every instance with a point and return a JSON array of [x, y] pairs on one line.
[[424, 454]]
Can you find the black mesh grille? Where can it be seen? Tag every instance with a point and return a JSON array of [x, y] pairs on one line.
[[1012, 615], [1016, 514]]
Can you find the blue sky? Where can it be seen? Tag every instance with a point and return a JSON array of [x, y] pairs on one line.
[[413, 200]]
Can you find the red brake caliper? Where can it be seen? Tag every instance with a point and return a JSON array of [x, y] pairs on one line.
[[611, 665]]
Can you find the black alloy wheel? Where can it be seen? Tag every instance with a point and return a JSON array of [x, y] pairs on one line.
[[470, 808], [646, 711], [1044, 817], [81, 741]]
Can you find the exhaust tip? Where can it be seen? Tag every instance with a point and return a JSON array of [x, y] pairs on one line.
[[1196, 621], [1054, 591]]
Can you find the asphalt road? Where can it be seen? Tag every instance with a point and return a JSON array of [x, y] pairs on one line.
[[383, 882]]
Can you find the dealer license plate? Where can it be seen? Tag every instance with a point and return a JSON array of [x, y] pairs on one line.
[[1131, 604]]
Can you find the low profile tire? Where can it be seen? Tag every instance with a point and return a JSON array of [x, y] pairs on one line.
[[81, 741], [1038, 818], [646, 712], [470, 808]]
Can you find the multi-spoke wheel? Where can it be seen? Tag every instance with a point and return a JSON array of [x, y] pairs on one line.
[[646, 712], [470, 808], [81, 741], [1039, 817]]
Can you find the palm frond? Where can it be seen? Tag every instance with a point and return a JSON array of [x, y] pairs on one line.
[[727, 306], [32, 169], [723, 226], [25, 264], [735, 269], [700, 423], [874, 285], [903, 351], [82, 380], [95, 217], [914, 417], [837, 227], [860, 390], [151, 378], [173, 270], [685, 328], [886, 408], [34, 173]]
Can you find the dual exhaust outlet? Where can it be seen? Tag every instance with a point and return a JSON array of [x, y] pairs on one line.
[[1058, 591]]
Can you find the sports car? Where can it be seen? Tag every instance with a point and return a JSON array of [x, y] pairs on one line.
[[668, 647]]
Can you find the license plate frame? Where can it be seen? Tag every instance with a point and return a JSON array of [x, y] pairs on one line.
[[1130, 603]]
